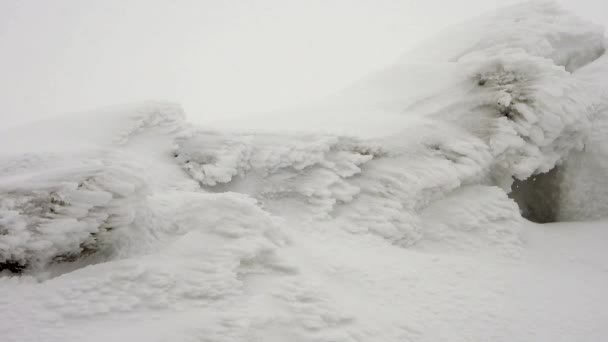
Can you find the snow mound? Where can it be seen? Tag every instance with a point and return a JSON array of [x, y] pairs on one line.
[[512, 110], [531, 112], [540, 28], [61, 212], [61, 205]]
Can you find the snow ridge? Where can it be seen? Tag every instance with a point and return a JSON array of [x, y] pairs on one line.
[[541, 28]]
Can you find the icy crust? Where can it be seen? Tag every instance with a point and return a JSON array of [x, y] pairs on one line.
[[61, 206], [206, 246], [531, 112], [315, 168], [521, 94], [540, 28], [61, 213], [381, 187]]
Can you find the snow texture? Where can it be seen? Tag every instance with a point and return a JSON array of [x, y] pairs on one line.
[[131, 224]]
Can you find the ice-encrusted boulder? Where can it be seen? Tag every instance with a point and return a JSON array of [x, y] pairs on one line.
[[66, 184], [62, 211]]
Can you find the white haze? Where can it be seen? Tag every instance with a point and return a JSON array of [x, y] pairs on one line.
[[218, 59]]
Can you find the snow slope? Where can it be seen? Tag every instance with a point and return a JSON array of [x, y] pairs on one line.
[[400, 220]]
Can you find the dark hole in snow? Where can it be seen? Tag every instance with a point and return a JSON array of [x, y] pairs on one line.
[[538, 196], [12, 266]]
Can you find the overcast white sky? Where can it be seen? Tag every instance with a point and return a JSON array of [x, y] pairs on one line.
[[218, 58]]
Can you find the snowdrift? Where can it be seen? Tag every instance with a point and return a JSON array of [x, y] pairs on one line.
[[130, 212]]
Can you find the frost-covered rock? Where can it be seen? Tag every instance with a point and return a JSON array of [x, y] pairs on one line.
[[61, 205], [60, 213], [531, 112]]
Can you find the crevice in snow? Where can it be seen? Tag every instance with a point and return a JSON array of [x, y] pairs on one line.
[[538, 196]]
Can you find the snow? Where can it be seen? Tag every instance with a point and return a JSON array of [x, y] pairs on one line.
[[399, 220], [541, 28]]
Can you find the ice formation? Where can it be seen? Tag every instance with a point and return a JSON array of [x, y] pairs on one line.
[[132, 215]]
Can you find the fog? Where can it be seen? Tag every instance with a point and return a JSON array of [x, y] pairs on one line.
[[218, 59]]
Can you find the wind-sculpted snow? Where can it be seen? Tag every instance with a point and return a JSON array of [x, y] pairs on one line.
[[515, 115], [584, 174], [59, 212], [359, 184], [313, 168], [61, 206], [166, 231], [542, 29], [531, 112]]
